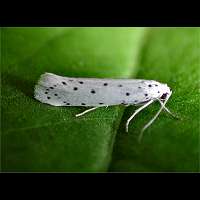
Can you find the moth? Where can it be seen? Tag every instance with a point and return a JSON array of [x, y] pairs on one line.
[[97, 92]]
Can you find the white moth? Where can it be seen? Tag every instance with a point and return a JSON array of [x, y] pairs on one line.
[[93, 92]]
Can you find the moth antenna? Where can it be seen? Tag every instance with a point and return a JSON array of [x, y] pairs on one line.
[[153, 119], [166, 109], [136, 112]]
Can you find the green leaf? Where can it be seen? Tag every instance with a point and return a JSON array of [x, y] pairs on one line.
[[170, 56], [39, 137]]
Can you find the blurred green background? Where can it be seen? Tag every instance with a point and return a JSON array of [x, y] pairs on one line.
[[38, 137]]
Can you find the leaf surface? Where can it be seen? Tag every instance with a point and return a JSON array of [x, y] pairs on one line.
[[39, 137], [170, 56]]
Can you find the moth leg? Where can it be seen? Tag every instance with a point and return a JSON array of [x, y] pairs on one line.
[[86, 111], [136, 112]]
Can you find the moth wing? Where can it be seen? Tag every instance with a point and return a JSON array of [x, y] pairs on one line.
[[64, 91]]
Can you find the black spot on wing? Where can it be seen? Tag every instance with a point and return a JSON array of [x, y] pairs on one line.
[[93, 91], [66, 103], [124, 103], [64, 83]]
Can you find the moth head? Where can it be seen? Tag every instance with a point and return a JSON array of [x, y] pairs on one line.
[[166, 92]]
